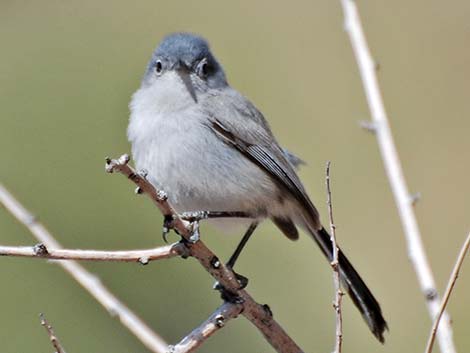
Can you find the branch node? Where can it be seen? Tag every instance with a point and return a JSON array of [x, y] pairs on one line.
[[162, 196], [144, 261], [40, 250], [215, 263], [377, 66], [430, 294], [143, 173], [124, 159], [31, 220], [369, 126], [415, 198], [268, 310], [219, 321]]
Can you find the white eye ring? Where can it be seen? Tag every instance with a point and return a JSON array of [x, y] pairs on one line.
[[158, 67], [203, 68]]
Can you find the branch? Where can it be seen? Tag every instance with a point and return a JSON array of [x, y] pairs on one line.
[[214, 323], [259, 315], [52, 337], [89, 281], [335, 265], [450, 287], [141, 256], [416, 253]]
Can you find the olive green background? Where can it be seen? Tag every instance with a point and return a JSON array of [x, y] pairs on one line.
[[67, 71]]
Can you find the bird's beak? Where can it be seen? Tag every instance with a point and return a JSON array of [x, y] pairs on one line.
[[184, 73], [180, 66]]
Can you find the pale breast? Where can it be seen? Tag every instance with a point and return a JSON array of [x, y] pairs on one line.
[[195, 168]]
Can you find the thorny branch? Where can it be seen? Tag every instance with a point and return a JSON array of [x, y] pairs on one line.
[[335, 265], [381, 128], [52, 337]]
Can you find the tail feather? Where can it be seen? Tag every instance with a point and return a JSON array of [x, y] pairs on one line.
[[357, 289]]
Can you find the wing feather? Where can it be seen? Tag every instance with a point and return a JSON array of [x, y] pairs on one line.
[[272, 160]]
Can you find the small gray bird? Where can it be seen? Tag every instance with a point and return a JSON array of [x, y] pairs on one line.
[[211, 150]]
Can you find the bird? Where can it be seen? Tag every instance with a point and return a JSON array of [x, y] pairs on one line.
[[210, 149]]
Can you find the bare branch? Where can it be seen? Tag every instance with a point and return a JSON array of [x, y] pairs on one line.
[[92, 284], [416, 253], [335, 265], [259, 315], [215, 322], [450, 287], [52, 337], [141, 256]]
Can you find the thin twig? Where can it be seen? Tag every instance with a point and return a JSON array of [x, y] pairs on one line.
[[52, 337], [259, 315], [416, 253], [448, 292], [89, 281], [140, 256], [215, 322], [335, 265]]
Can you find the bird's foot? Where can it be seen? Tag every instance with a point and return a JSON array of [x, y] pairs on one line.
[[228, 295], [168, 225], [195, 235], [241, 279]]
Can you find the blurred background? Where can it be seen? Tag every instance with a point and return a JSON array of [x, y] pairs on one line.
[[67, 71]]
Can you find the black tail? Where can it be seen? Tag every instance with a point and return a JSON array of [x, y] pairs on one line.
[[357, 289]]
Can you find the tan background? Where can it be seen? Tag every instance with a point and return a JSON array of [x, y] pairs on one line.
[[67, 70]]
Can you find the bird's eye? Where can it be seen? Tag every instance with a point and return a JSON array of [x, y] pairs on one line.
[[158, 67], [203, 68]]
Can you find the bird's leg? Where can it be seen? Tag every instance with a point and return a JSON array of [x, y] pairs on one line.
[[225, 294], [168, 225], [196, 216], [241, 245]]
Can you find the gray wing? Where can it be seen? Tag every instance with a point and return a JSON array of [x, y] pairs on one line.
[[253, 138]]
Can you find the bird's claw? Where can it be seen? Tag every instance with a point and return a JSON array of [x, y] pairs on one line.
[[230, 296], [167, 226], [227, 295], [241, 279]]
